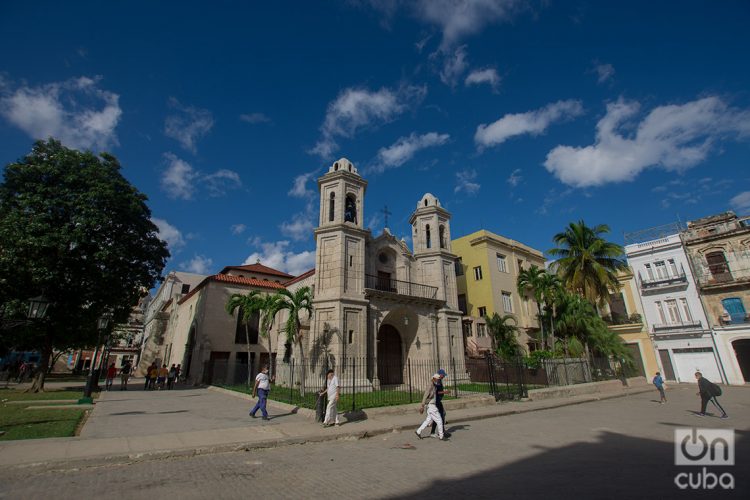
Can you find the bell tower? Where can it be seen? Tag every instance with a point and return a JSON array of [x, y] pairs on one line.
[[340, 238]]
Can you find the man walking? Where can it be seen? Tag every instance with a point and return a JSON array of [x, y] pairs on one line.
[[708, 391], [125, 375], [659, 383], [171, 377], [332, 388], [433, 415], [439, 392], [111, 373], [261, 388]]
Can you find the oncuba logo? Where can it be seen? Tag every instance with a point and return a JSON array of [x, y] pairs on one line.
[[704, 447]]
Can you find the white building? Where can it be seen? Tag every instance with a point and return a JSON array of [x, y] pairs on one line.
[[673, 311]]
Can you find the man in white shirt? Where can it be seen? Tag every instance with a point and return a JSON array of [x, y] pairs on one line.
[[332, 388], [261, 388]]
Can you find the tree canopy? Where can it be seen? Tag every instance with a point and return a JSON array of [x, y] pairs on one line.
[[75, 231]]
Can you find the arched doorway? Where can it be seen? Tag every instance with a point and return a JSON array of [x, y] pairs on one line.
[[390, 356], [742, 351]]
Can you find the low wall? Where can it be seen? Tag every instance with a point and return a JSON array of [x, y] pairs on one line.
[[606, 387]]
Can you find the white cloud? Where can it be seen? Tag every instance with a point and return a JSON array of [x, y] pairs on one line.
[[238, 228], [532, 122], [604, 72], [278, 256], [169, 234], [454, 65], [299, 228], [673, 137], [465, 181], [187, 124], [405, 148], [219, 182], [741, 202], [199, 264], [178, 180], [75, 111], [299, 186], [254, 118], [460, 18], [356, 108], [515, 177], [481, 76]]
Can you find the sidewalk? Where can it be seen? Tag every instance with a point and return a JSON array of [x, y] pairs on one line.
[[253, 434]]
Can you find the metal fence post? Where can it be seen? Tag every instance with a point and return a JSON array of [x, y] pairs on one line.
[[354, 389], [455, 381], [408, 367]]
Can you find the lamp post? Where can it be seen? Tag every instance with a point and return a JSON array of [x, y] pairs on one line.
[[101, 326]]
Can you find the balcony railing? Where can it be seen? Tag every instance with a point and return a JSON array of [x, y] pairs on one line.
[[734, 319], [686, 325], [399, 287], [662, 282]]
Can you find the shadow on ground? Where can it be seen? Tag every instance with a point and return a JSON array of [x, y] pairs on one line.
[[616, 466]]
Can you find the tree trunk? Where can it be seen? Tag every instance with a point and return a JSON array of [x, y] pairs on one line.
[[303, 376], [541, 324], [54, 360], [41, 373], [552, 327], [249, 368]]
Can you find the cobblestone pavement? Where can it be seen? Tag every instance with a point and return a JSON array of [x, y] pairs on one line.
[[618, 448]]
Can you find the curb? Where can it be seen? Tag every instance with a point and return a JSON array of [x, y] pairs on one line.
[[127, 458]]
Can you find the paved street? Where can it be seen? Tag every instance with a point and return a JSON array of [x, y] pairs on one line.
[[618, 448], [136, 412]]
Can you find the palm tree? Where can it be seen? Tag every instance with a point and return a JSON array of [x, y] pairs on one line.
[[551, 287], [296, 303], [504, 332], [587, 263], [269, 306], [246, 306], [531, 281]]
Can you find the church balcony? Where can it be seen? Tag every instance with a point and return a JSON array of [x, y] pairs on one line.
[[398, 287]]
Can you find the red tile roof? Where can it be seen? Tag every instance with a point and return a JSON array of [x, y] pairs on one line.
[[300, 277], [258, 268], [234, 280]]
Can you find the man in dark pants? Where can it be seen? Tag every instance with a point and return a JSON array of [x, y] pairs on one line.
[[439, 391], [707, 392]]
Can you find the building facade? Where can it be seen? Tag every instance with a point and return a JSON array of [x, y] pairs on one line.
[[718, 248], [672, 308], [374, 298], [487, 272]]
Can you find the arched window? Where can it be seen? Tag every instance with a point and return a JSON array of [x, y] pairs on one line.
[[442, 236], [427, 231], [425, 202], [331, 207], [350, 209]]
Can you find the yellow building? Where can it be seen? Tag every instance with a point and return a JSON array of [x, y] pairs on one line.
[[487, 271], [624, 315]]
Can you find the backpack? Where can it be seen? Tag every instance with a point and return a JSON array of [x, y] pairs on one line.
[[714, 390]]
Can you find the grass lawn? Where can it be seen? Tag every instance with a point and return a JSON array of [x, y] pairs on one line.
[[371, 399], [20, 423]]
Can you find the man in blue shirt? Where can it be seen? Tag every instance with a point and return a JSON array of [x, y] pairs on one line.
[[659, 383], [439, 392]]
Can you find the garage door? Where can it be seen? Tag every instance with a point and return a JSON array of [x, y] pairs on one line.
[[689, 361]]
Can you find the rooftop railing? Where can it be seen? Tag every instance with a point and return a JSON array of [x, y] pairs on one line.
[[383, 284]]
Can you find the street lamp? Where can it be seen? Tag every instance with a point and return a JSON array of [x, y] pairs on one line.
[[101, 325], [37, 308]]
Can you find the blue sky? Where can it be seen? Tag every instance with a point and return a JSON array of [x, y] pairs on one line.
[[520, 116]]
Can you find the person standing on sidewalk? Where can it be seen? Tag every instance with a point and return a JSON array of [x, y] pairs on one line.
[[171, 377], [659, 383], [125, 375], [708, 391], [433, 415], [162, 377], [333, 390], [260, 389], [439, 392], [111, 374]]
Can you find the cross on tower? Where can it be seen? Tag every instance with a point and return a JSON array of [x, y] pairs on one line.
[[386, 213]]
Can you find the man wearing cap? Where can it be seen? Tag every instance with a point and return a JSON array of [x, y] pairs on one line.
[[433, 415], [439, 392]]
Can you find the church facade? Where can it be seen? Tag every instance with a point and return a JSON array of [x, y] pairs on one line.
[[375, 299]]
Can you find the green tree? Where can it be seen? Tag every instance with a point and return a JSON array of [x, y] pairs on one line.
[[587, 263], [246, 306], [296, 304], [543, 287], [75, 231], [504, 334], [269, 307]]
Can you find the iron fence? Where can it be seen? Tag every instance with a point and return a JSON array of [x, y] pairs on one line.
[[368, 383]]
